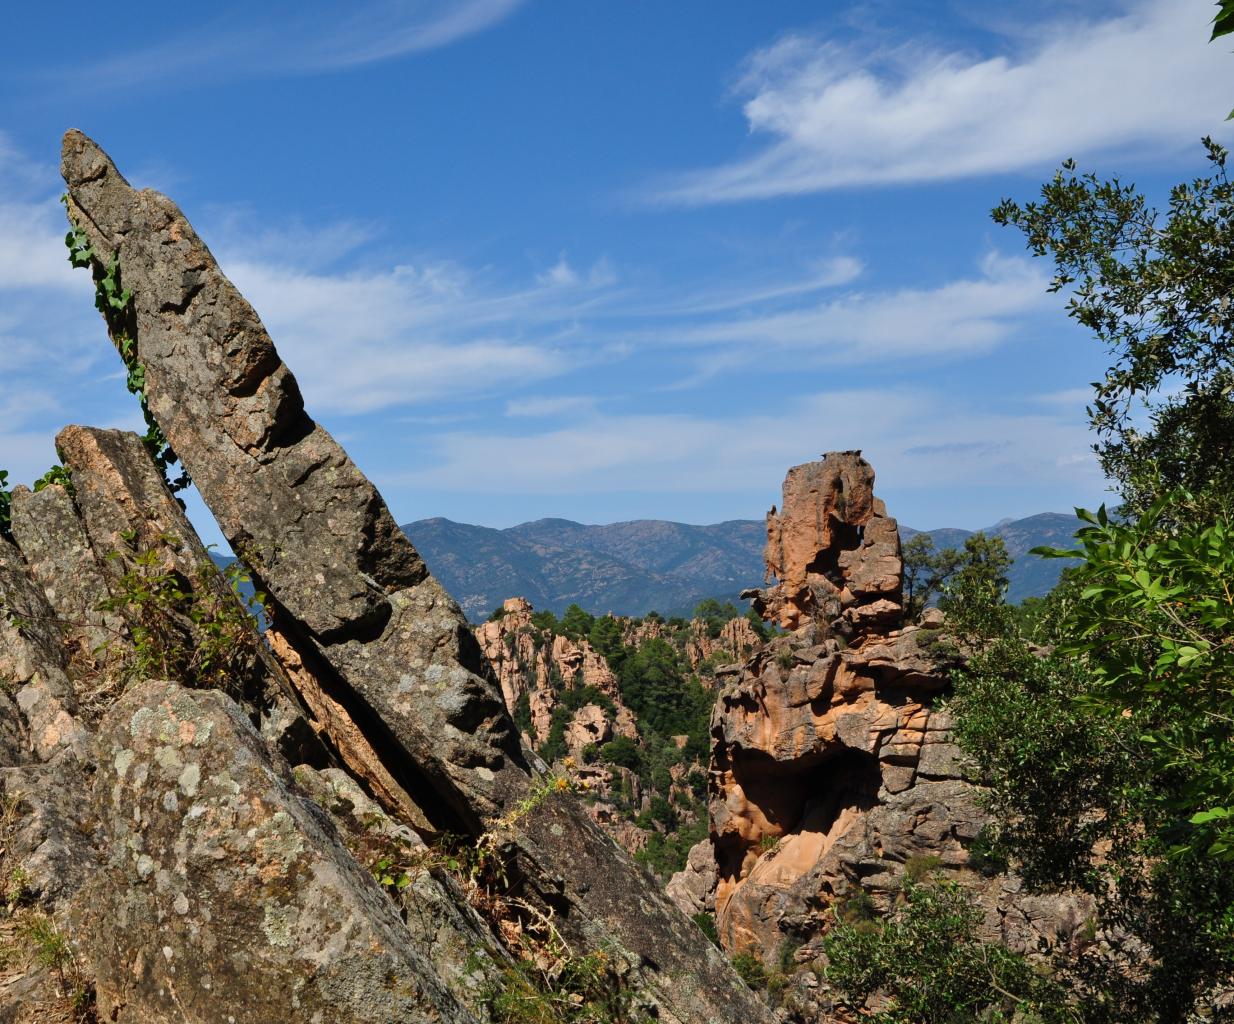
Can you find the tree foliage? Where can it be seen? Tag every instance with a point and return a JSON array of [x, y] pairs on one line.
[[926, 961], [575, 623], [1154, 626], [1155, 289], [926, 572]]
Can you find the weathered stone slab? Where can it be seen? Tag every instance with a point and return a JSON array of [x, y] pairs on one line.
[[326, 543], [49, 839], [52, 539], [682, 977], [376, 632], [225, 895], [348, 589], [14, 739], [32, 662], [128, 512], [463, 949]]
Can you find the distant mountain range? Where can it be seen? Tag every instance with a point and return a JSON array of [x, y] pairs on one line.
[[632, 568]]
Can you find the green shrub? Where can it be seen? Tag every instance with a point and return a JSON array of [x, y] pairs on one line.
[[926, 960], [707, 925], [750, 969]]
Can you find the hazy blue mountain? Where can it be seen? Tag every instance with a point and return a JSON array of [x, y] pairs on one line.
[[626, 568], [632, 568]]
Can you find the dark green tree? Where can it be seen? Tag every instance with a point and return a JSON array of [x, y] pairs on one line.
[[575, 623], [928, 964], [926, 572], [974, 596], [1155, 289], [606, 638]]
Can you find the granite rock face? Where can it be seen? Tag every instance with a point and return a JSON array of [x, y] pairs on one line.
[[833, 768], [49, 531], [225, 894], [367, 656], [834, 553], [33, 666], [348, 591], [538, 667]]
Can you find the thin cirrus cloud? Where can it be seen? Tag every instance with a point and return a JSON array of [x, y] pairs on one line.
[[373, 336], [387, 337], [264, 40], [835, 116], [969, 315], [360, 342], [604, 453]]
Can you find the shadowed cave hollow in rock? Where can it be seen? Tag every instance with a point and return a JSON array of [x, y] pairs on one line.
[[810, 798]]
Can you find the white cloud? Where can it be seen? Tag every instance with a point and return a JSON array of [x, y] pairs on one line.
[[362, 341], [1075, 398], [837, 116], [32, 252], [731, 452], [964, 316], [829, 273], [543, 406], [562, 275], [258, 41], [559, 275]]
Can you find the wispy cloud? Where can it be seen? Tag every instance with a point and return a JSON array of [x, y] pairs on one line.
[[361, 341], [262, 40], [842, 115], [827, 274], [732, 451], [564, 275], [543, 406], [375, 338], [963, 316]]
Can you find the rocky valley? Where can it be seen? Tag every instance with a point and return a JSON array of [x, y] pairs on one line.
[[358, 806]]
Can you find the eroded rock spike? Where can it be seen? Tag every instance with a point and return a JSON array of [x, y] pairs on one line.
[[833, 551], [355, 601]]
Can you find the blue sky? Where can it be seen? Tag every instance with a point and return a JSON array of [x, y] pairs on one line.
[[614, 259]]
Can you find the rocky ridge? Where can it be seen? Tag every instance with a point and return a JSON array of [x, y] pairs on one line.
[[569, 701], [632, 568], [203, 824], [833, 771]]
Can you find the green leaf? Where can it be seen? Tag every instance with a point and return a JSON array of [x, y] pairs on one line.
[[1223, 20]]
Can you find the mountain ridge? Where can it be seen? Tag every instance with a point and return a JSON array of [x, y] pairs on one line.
[[639, 565]]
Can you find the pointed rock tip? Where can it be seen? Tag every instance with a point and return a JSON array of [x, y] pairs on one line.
[[82, 159]]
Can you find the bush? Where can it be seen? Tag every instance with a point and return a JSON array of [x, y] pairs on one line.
[[707, 925], [622, 752], [926, 960], [750, 969]]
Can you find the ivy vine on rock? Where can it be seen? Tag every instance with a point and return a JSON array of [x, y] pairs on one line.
[[115, 302], [6, 518]]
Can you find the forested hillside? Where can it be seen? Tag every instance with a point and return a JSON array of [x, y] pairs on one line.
[[653, 565]]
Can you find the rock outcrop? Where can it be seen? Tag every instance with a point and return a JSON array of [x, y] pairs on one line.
[[234, 886], [225, 894], [735, 642], [833, 769], [833, 551], [538, 668]]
